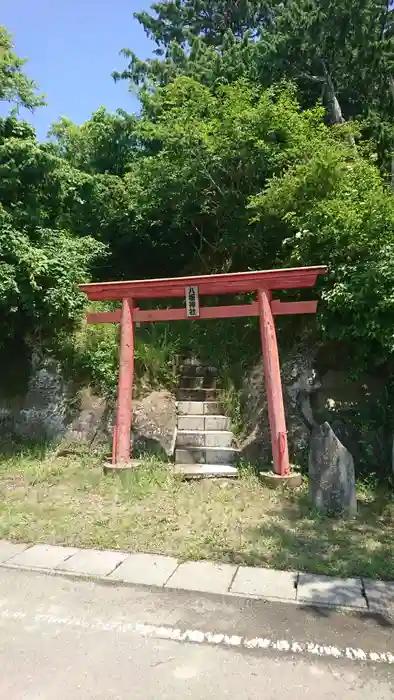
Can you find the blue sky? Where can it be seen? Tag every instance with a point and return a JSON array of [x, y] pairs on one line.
[[72, 46]]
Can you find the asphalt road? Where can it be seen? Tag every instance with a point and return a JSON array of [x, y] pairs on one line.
[[62, 638]]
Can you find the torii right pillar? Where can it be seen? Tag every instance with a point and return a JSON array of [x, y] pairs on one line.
[[273, 383]]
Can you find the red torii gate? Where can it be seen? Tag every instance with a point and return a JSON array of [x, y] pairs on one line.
[[265, 307]]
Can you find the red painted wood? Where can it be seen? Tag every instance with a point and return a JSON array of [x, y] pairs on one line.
[[143, 316], [125, 384], [286, 308], [232, 283], [206, 312], [103, 316], [276, 411]]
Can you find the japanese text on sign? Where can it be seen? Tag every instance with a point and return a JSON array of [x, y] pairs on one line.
[[192, 301]]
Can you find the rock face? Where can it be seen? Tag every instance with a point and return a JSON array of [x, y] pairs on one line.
[[44, 411], [332, 484], [298, 381], [315, 391], [52, 409], [93, 421], [154, 425]]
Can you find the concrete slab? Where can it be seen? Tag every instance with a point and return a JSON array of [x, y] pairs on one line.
[[218, 438], [212, 408], [9, 550], [203, 576], [147, 569], [191, 422], [217, 423], [204, 438], [192, 382], [206, 471], [204, 423], [334, 592], [190, 438], [93, 562], [380, 597], [276, 481], [265, 583], [195, 408], [44, 556], [196, 394], [206, 455]]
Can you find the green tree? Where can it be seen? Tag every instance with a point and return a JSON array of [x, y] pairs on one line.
[[206, 40], [335, 209], [245, 178], [339, 52], [41, 261], [15, 87], [105, 144], [213, 152]]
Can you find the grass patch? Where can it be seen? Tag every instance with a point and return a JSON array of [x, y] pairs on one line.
[[67, 500]]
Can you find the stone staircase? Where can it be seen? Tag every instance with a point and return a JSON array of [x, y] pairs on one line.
[[205, 444]]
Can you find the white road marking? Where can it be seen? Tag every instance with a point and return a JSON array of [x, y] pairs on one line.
[[199, 637]]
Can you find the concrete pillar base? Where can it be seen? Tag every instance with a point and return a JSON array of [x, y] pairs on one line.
[[121, 467], [275, 481]]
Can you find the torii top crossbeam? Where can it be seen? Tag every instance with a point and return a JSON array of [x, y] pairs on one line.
[[228, 283], [262, 283]]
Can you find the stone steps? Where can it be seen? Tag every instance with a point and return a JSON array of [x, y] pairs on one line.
[[197, 371], [206, 471], [206, 455], [204, 446], [203, 422], [204, 438], [199, 408], [204, 395], [203, 382]]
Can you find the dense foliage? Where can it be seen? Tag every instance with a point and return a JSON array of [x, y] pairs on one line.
[[265, 138]]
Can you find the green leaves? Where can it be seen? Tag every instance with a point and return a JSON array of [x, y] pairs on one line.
[[337, 51], [40, 261], [336, 210], [15, 87]]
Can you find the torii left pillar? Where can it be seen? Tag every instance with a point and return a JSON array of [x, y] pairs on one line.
[[121, 439], [273, 385]]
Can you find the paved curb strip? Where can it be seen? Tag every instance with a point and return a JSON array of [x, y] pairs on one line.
[[117, 567]]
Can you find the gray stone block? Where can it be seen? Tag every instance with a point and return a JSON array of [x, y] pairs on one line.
[[221, 455], [190, 455], [330, 591], [206, 455], [194, 408], [204, 576], [190, 438], [206, 471], [93, 562], [10, 549], [332, 483], [199, 370], [218, 438], [217, 423], [265, 583], [44, 556], [191, 382], [212, 408], [380, 597], [191, 423], [203, 438], [196, 394], [145, 569]]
